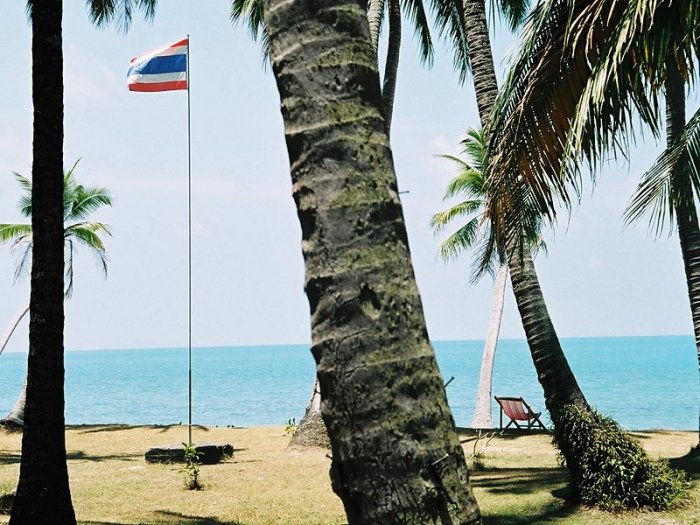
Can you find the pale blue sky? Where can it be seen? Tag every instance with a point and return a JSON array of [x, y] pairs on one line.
[[599, 279]]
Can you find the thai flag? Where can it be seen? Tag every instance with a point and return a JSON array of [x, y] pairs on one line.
[[164, 69]]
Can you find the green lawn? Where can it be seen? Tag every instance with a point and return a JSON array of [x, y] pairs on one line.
[[267, 483]]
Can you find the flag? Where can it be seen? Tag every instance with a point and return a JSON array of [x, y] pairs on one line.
[[164, 69]]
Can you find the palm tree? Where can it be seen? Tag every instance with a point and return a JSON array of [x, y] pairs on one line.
[[43, 493], [599, 76], [563, 76], [78, 203], [470, 184], [395, 453]]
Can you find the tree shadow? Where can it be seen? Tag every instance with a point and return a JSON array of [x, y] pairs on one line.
[[169, 517], [91, 429], [77, 455], [690, 463], [9, 458], [552, 513], [511, 433], [518, 481]]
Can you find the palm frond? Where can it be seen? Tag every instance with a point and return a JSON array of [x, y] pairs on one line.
[[252, 13], [87, 200], [442, 219], [421, 27], [655, 194], [104, 12], [469, 183], [87, 233], [10, 232], [460, 241], [25, 202], [448, 17], [24, 261], [513, 12]]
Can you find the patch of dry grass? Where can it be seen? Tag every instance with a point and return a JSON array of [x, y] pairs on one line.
[[267, 483]]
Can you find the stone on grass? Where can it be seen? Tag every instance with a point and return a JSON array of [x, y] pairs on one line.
[[209, 453]]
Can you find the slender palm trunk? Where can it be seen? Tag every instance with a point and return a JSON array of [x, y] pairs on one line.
[[482, 415], [396, 455], [686, 213], [311, 432], [391, 68], [481, 57], [16, 416], [43, 494], [12, 326]]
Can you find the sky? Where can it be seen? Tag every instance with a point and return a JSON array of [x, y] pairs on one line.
[[599, 278]]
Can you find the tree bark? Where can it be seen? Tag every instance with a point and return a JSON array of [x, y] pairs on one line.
[[481, 58], [686, 213], [43, 493], [311, 432], [391, 68], [396, 455], [482, 414]]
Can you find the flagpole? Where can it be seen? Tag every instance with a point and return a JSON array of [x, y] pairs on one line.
[[189, 247]]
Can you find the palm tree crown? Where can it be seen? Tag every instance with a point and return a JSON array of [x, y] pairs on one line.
[[79, 202]]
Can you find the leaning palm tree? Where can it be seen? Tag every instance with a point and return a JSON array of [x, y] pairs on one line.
[[470, 184], [43, 493], [78, 203], [567, 96], [395, 454]]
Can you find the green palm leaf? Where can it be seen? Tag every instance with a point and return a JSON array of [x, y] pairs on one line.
[[251, 13], [104, 12], [10, 232]]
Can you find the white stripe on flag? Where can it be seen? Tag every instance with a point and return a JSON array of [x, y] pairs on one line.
[[153, 78]]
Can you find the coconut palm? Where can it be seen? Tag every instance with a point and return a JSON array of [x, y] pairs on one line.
[[470, 184], [395, 452], [78, 203], [596, 77], [43, 493]]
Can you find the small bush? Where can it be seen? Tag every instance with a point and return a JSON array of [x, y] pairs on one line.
[[191, 468], [611, 470]]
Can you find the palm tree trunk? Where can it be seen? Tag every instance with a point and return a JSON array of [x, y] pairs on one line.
[[396, 455], [311, 432], [481, 58], [482, 415], [43, 494], [16, 416], [14, 322], [686, 213], [391, 68]]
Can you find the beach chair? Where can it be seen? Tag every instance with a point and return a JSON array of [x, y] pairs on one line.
[[517, 409]]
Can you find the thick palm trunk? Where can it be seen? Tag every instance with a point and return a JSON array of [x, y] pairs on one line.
[[482, 415], [481, 57], [391, 68], [396, 455], [43, 494], [686, 213]]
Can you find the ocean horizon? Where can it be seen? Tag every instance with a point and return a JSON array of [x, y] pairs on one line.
[[643, 382]]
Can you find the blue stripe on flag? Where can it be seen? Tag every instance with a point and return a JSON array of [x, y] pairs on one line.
[[157, 65]]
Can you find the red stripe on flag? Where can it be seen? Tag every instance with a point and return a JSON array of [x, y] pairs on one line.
[[159, 86]]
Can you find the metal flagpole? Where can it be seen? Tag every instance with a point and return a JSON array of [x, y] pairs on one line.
[[189, 247]]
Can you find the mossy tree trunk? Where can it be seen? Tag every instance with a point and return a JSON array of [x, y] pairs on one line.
[[396, 455], [43, 494], [684, 203]]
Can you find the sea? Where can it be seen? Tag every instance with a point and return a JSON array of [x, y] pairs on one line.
[[642, 382]]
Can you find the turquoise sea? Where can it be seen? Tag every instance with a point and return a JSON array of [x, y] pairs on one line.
[[643, 382]]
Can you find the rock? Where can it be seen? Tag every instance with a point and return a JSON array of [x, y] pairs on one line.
[[209, 453], [6, 502]]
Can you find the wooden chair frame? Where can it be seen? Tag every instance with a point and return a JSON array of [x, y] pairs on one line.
[[532, 417]]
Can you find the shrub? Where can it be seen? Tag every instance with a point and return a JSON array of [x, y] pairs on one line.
[[611, 470]]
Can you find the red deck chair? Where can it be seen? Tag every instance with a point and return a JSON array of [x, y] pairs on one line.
[[518, 410]]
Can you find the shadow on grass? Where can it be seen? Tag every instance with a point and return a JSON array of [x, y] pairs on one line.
[[690, 463], [503, 434], [91, 429], [9, 458], [169, 517], [80, 455], [551, 513], [518, 481]]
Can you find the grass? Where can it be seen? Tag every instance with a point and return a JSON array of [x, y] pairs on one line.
[[267, 483]]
